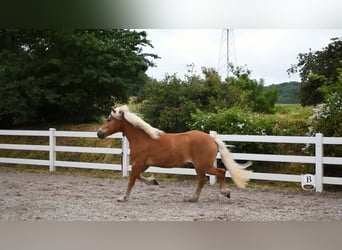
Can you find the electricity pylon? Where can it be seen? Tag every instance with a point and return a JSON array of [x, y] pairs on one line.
[[227, 57]]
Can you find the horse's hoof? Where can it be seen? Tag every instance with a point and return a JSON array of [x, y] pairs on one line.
[[192, 199], [155, 182], [226, 193], [122, 199]]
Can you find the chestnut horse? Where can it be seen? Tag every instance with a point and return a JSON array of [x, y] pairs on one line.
[[152, 147]]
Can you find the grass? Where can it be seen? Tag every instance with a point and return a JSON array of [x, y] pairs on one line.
[[293, 111], [64, 171]]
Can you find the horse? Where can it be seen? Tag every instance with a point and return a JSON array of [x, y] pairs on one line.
[[150, 146]]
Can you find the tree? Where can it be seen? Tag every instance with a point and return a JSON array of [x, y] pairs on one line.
[[318, 69], [73, 75], [170, 103], [327, 117], [251, 94], [321, 73]]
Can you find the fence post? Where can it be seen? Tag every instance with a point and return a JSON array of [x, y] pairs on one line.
[[319, 159], [52, 152], [213, 178], [125, 159]]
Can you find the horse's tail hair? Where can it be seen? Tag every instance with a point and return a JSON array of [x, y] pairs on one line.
[[237, 171]]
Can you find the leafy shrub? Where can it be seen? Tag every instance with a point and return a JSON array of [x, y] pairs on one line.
[[327, 117], [239, 121], [168, 104], [233, 121]]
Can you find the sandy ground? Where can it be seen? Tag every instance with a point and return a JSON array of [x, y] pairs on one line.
[[56, 197]]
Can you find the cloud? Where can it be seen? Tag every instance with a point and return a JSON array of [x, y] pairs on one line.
[[267, 52], [178, 48]]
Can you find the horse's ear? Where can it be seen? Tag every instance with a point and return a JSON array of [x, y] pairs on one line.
[[117, 113]]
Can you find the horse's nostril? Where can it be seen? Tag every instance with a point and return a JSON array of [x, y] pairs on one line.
[[100, 134]]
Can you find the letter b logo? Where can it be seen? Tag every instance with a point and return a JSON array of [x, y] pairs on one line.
[[308, 182]]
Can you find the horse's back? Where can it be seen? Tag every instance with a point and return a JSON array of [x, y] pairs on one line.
[[203, 140], [196, 135], [190, 136], [195, 141]]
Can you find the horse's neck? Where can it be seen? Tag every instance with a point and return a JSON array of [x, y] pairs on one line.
[[134, 135]]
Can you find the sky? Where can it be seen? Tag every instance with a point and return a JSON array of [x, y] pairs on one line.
[[268, 53]]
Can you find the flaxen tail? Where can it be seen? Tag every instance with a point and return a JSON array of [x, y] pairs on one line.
[[238, 172]]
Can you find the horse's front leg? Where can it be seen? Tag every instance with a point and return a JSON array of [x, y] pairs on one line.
[[200, 184], [134, 174]]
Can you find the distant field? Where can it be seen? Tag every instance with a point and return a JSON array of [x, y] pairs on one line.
[[295, 111]]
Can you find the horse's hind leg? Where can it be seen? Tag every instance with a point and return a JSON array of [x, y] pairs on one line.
[[220, 173], [201, 181]]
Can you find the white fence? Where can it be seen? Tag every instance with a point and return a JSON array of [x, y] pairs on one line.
[[318, 159], [52, 148]]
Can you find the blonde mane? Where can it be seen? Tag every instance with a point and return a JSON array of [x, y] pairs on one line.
[[136, 121]]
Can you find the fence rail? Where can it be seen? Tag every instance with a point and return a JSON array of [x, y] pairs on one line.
[[318, 159]]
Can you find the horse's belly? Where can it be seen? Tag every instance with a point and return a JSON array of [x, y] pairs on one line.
[[168, 161]]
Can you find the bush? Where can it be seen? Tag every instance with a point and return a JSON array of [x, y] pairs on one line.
[[233, 121], [327, 117], [168, 104], [239, 121]]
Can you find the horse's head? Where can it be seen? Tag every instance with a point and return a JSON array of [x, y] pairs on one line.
[[112, 125]]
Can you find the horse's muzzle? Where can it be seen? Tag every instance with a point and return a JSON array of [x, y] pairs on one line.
[[100, 134]]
